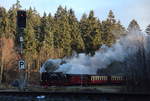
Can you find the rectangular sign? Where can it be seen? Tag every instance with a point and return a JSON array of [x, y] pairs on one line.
[[21, 64]]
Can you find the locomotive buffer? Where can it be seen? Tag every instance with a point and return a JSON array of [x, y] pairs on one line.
[[21, 24]]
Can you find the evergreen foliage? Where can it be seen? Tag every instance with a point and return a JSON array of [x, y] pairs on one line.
[[77, 43], [63, 34], [133, 26], [107, 29], [91, 33], [60, 35], [3, 22], [12, 13]]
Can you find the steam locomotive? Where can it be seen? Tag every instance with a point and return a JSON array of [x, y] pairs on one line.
[[61, 79]]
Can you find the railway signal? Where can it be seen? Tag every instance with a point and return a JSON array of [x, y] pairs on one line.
[[21, 19], [21, 24]]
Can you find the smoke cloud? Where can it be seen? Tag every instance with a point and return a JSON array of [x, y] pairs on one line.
[[124, 47]]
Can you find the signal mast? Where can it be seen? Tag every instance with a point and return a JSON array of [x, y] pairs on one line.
[[21, 25]]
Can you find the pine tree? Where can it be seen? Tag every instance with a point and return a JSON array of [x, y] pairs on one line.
[[77, 43], [91, 33], [30, 42], [47, 36], [108, 27], [43, 29], [148, 29], [62, 37], [50, 30], [3, 23], [36, 20], [133, 26], [3, 31], [107, 36], [111, 17], [12, 19], [95, 32], [118, 30]]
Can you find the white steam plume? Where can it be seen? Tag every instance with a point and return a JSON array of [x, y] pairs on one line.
[[83, 64]]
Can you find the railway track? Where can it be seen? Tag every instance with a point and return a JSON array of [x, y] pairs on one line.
[[72, 96], [61, 93]]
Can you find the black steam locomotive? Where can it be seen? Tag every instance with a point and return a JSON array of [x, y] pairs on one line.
[[61, 79]]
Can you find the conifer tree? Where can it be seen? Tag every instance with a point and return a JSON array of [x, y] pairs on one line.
[[62, 37], [47, 36], [133, 26], [118, 30], [111, 17], [107, 36], [12, 19], [91, 33], [84, 31], [3, 23], [43, 29], [77, 43], [3, 33], [107, 28], [30, 42], [35, 18]]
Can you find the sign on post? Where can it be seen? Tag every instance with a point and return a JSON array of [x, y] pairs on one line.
[[21, 64]]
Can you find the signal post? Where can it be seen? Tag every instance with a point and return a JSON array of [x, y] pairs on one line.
[[21, 24]]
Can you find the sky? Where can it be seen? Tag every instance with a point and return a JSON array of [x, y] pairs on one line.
[[124, 10]]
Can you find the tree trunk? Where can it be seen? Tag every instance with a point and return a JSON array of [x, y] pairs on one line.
[[2, 61], [1, 73]]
